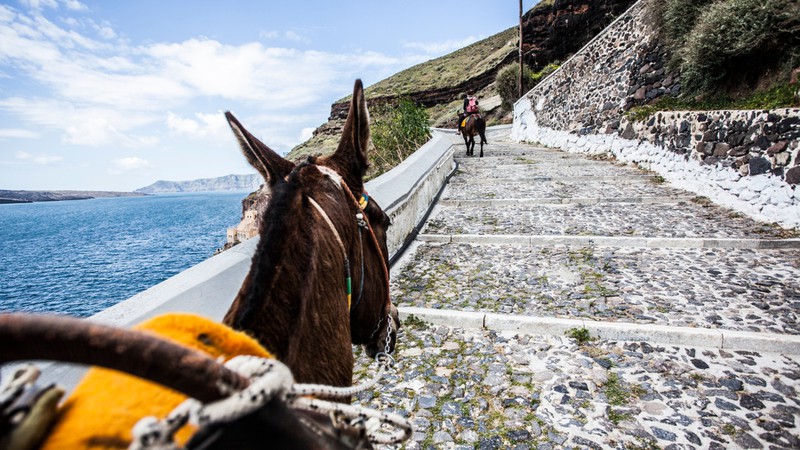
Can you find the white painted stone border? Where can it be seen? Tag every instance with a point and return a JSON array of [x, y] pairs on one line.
[[723, 186]]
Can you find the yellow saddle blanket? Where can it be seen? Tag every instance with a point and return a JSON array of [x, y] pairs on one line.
[[106, 404], [464, 122]]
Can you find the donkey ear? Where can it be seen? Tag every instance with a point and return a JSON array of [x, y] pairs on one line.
[[269, 164], [351, 155]]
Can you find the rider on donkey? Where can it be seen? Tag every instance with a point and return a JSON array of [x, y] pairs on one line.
[[470, 107]]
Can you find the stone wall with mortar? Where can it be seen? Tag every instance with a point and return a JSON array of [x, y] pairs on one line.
[[747, 160]]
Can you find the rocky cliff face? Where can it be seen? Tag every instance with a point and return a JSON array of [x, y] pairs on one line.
[[551, 32], [227, 183], [555, 31]]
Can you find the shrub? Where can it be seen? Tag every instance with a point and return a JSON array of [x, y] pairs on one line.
[[677, 18], [720, 45], [729, 37], [508, 82], [779, 95], [580, 334], [397, 131]]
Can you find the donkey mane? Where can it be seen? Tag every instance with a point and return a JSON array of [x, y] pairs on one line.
[[276, 228]]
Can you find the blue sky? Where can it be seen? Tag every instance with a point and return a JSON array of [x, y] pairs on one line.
[[114, 95]]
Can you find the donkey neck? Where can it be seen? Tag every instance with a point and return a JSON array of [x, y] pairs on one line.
[[294, 298]]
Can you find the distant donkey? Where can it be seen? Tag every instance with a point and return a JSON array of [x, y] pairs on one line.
[[474, 124]]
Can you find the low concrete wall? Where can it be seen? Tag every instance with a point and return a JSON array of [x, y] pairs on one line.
[[209, 287], [406, 191]]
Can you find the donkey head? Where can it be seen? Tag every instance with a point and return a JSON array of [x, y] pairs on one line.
[[322, 221]]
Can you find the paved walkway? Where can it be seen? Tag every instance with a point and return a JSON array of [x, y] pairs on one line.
[[533, 253]]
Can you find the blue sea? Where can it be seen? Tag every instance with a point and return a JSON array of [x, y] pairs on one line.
[[82, 256]]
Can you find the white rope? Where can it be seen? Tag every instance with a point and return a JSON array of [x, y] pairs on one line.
[[270, 379], [337, 392]]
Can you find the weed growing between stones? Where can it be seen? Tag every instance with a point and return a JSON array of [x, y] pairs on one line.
[[581, 335], [705, 202], [644, 444], [415, 323], [617, 416], [523, 160], [615, 392]]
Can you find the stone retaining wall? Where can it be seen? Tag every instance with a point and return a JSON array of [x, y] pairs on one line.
[[747, 160]]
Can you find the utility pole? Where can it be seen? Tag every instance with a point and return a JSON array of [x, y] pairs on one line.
[[519, 81]]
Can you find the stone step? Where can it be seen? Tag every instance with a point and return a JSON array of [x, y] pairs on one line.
[[679, 220], [472, 172], [611, 241], [616, 187], [502, 149], [532, 158], [562, 201], [613, 331], [466, 388], [724, 288], [558, 178]]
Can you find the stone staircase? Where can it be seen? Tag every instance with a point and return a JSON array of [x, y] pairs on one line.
[[553, 301]]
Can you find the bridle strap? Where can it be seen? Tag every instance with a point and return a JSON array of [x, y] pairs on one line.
[[341, 246], [374, 241]]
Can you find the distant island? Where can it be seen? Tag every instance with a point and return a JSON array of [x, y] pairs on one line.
[[227, 183], [9, 196], [248, 183]]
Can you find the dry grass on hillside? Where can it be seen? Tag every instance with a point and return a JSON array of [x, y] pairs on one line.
[[448, 70]]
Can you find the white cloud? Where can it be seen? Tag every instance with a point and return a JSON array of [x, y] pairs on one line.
[[103, 91], [17, 133], [306, 134], [127, 164], [442, 47], [296, 37], [75, 5], [181, 125], [40, 4], [82, 125], [203, 125], [42, 159], [103, 30]]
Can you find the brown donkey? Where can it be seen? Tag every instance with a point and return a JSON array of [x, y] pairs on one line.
[[319, 232], [474, 124]]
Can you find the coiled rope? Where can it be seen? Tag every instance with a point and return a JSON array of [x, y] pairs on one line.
[[270, 379]]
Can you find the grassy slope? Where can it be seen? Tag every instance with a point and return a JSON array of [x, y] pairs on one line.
[[451, 69]]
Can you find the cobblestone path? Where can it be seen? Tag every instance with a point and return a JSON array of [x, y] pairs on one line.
[[546, 236]]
